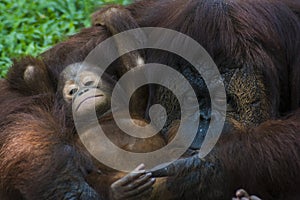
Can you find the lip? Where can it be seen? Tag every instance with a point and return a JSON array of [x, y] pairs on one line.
[[98, 95]]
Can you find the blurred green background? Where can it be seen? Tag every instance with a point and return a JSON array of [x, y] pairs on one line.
[[29, 27]]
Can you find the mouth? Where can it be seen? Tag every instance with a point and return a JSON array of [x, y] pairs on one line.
[[88, 98]]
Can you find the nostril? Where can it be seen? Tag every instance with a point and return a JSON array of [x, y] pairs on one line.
[[81, 92]]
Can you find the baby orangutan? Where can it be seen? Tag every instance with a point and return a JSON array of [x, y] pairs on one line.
[[85, 92]]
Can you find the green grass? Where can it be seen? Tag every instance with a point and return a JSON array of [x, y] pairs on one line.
[[29, 27]]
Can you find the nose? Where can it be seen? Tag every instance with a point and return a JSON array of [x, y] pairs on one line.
[[81, 92]]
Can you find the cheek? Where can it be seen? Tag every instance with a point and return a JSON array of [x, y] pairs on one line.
[[102, 105]]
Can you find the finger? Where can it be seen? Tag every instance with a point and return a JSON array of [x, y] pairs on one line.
[[126, 179], [140, 167], [242, 193], [136, 183], [245, 198], [145, 195], [254, 198], [135, 174], [140, 189]]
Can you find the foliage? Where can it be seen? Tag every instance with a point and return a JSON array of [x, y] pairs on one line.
[[29, 27]]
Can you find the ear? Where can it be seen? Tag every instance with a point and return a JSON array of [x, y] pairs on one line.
[[30, 76]]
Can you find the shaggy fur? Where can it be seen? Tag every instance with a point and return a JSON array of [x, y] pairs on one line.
[[255, 44]]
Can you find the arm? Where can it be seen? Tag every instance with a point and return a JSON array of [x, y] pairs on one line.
[[265, 160], [37, 159]]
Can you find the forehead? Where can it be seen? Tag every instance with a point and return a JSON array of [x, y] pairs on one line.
[[78, 71]]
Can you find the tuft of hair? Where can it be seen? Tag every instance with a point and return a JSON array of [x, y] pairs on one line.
[[30, 76]]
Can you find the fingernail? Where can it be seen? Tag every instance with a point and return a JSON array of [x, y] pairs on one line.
[[141, 171], [142, 165], [149, 174]]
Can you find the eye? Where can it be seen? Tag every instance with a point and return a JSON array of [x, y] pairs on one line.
[[230, 108], [231, 105], [89, 80], [89, 83], [73, 91], [70, 90]]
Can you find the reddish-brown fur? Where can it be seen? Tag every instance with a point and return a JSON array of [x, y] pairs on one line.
[[101, 182], [40, 156]]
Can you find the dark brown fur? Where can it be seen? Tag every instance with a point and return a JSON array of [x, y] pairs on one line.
[[260, 151], [39, 158], [34, 122], [260, 42]]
